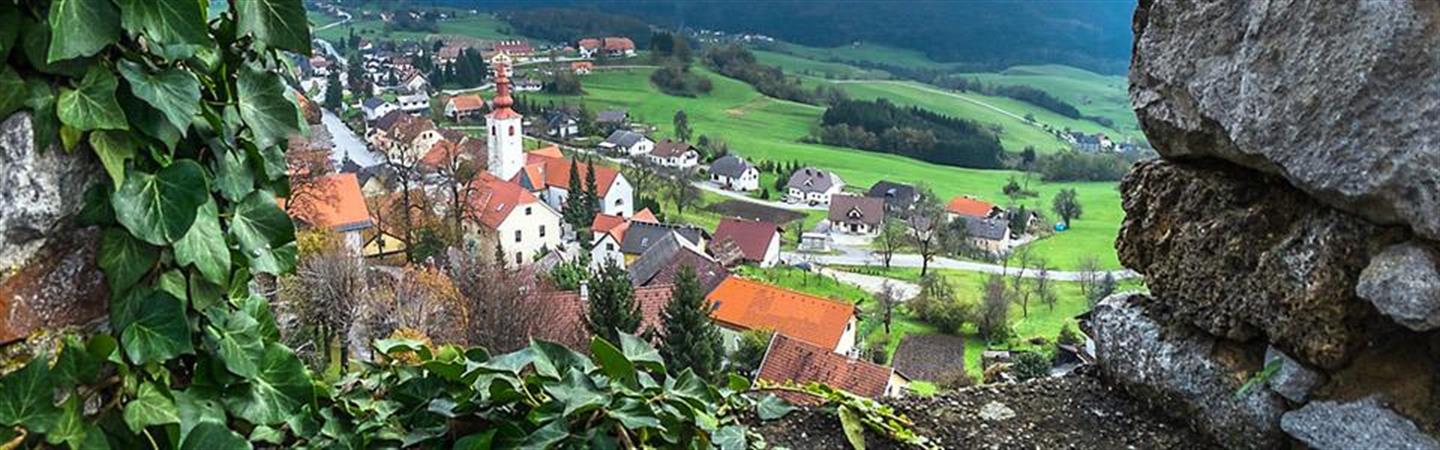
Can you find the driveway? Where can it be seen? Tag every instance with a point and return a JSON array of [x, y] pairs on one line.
[[874, 284]]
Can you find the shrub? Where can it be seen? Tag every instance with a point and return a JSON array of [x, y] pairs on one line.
[[955, 379], [1030, 365]]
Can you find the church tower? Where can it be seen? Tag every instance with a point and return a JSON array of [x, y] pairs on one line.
[[505, 139]]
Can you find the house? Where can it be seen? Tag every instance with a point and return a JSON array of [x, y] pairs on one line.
[[661, 263], [448, 54], [375, 108], [402, 137], [416, 83], [641, 235], [319, 66], [582, 67], [813, 186], [605, 250], [930, 356], [547, 174], [334, 203], [523, 225], [626, 142], [414, 103], [612, 119], [619, 46], [516, 49], [734, 173], [588, 47], [966, 206], [991, 234], [791, 360], [561, 124], [464, 107], [898, 197], [853, 214], [757, 240], [529, 85], [738, 305], [816, 242], [675, 154]]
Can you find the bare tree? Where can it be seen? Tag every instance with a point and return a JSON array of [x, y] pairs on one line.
[[643, 175], [508, 305], [1042, 286], [420, 299], [1089, 271], [316, 306], [1023, 259], [458, 171], [682, 193], [927, 234], [891, 238], [994, 319], [888, 298]]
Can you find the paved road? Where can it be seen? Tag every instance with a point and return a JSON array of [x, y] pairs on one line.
[[873, 284], [858, 257], [333, 25], [741, 196]]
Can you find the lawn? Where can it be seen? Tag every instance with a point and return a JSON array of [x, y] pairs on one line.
[[482, 26], [864, 52], [763, 128], [1092, 93], [803, 66]]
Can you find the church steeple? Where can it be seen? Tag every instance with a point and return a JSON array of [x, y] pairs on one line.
[[506, 136]]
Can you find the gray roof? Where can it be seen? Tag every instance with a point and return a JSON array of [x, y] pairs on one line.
[[654, 259], [641, 235], [811, 179], [372, 103], [624, 138], [897, 196], [992, 229], [730, 166], [612, 116], [856, 209]]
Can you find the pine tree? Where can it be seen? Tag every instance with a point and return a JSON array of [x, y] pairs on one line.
[[690, 340], [575, 202], [592, 193], [333, 94], [612, 304]]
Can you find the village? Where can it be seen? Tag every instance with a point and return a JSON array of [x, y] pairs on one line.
[[409, 178]]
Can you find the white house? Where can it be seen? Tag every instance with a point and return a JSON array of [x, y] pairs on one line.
[[403, 137], [813, 186], [547, 175], [414, 103], [376, 108], [523, 225], [605, 249], [675, 154], [853, 214], [733, 173], [627, 143], [417, 83]]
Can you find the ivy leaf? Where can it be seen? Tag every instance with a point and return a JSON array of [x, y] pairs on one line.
[[615, 364], [546, 437], [166, 21], [271, 116], [233, 176], [147, 120], [278, 23], [160, 208], [175, 92], [196, 406], [213, 436], [92, 106], [641, 353], [204, 245], [26, 398], [854, 430], [35, 45], [731, 437], [173, 282], [12, 91], [260, 227], [577, 392], [70, 426], [236, 338], [553, 360], [478, 441], [634, 414], [82, 27], [9, 30], [75, 364], [267, 435], [203, 294], [41, 102], [113, 148], [124, 259], [279, 389], [150, 407], [771, 407], [159, 330]]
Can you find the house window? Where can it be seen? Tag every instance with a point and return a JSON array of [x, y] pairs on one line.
[[542, 231], [512, 130], [517, 235], [527, 210], [519, 258], [492, 130], [619, 202], [609, 247]]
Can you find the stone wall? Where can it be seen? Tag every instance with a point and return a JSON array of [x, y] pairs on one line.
[[1289, 233]]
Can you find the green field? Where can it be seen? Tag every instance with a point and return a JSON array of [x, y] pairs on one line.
[[482, 26], [796, 65], [873, 53], [1093, 94], [764, 128]]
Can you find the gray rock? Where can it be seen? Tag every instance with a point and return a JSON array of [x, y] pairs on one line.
[[1339, 97], [1365, 424], [1292, 380], [43, 188], [1175, 368], [1243, 255], [996, 411], [1403, 282]]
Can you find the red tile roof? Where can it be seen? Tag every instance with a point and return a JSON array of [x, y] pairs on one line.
[[967, 206], [444, 150], [753, 236], [464, 103], [619, 43], [794, 360], [546, 168], [589, 43], [494, 199], [750, 305], [332, 201], [614, 225], [568, 328], [645, 216]]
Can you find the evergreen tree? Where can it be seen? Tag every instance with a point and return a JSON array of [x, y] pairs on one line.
[[576, 204], [592, 193], [682, 126], [334, 97], [690, 340], [612, 304]]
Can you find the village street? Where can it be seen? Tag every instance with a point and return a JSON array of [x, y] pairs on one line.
[[853, 256]]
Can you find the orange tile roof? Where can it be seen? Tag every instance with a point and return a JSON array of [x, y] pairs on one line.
[[645, 216], [591, 43], [443, 150], [494, 199], [967, 206], [577, 65], [467, 102], [332, 201], [793, 360], [619, 43], [547, 167], [745, 304], [614, 225]]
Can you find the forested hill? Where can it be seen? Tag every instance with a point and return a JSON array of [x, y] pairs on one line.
[[994, 34]]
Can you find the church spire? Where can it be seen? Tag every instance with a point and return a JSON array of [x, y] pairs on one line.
[[503, 101]]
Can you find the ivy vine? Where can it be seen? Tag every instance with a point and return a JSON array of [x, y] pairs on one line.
[[185, 105]]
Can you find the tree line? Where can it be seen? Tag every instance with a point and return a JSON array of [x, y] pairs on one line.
[[570, 25], [736, 62], [882, 126]]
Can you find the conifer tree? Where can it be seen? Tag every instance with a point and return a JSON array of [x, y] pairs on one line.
[[690, 339], [575, 202], [592, 193], [612, 307]]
